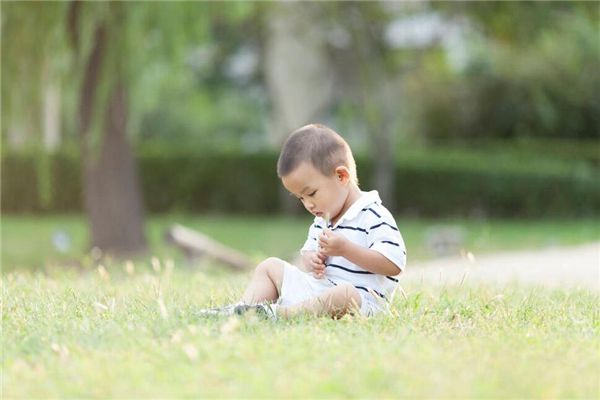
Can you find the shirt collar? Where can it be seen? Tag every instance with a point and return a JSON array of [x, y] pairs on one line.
[[366, 199]]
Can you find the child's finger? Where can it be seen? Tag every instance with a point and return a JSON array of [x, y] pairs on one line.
[[318, 272]]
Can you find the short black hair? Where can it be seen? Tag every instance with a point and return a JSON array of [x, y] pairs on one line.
[[321, 146]]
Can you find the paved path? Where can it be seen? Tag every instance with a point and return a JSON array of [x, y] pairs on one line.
[[553, 267]]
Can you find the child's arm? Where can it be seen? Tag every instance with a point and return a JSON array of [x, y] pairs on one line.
[[334, 244], [370, 260]]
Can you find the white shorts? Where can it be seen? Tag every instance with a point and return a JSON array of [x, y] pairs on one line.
[[298, 286]]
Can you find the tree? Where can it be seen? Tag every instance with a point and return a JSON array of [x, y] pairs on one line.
[[104, 44], [298, 74], [112, 195], [530, 72], [308, 76], [33, 61], [379, 85]]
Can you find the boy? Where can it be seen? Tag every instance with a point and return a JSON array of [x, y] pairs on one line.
[[354, 252]]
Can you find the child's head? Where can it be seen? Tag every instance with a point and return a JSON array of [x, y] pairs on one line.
[[317, 166]]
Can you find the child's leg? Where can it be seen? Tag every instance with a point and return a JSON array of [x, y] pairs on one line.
[[266, 282], [334, 302]]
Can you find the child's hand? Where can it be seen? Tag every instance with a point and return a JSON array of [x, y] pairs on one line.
[[332, 244], [317, 264]]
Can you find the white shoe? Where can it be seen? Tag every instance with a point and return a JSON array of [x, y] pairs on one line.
[[224, 311], [264, 310]]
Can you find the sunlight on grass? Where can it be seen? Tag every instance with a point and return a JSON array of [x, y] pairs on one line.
[[130, 330], [76, 326]]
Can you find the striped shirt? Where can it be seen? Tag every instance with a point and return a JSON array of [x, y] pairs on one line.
[[369, 224]]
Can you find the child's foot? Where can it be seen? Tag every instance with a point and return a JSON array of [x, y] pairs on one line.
[[219, 311], [264, 310]]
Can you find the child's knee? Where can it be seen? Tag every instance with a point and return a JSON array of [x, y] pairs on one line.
[[269, 265], [347, 296], [272, 269]]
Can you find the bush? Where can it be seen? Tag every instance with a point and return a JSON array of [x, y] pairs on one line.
[[544, 86], [429, 184]]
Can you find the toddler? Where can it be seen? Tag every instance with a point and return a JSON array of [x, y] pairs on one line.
[[354, 252]]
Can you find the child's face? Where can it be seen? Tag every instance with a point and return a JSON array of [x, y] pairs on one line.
[[318, 193]]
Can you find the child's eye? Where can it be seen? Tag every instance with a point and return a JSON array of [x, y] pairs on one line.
[[312, 194]]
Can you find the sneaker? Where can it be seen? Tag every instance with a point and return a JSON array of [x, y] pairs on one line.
[[224, 311], [264, 310]]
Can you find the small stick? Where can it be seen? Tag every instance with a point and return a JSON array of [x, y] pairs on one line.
[[326, 218]]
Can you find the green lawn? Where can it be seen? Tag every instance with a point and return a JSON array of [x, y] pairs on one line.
[[27, 240], [128, 330], [113, 334]]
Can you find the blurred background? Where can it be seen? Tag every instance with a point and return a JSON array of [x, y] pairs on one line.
[[119, 119]]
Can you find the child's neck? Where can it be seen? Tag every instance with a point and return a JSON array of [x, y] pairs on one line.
[[354, 194]]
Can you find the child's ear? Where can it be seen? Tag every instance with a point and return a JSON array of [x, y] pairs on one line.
[[342, 174]]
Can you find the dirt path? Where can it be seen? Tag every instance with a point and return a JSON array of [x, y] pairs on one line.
[[554, 267]]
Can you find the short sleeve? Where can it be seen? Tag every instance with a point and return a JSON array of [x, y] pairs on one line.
[[312, 243], [384, 237]]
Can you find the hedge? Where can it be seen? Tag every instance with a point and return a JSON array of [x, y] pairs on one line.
[[427, 186]]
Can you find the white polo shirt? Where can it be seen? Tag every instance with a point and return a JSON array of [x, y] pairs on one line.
[[369, 224]]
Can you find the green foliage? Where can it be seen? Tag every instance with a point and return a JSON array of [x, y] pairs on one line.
[[210, 182], [144, 39], [31, 29], [435, 183], [531, 72], [109, 333]]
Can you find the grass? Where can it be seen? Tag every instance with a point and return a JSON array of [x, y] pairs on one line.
[[108, 333], [129, 330], [27, 240]]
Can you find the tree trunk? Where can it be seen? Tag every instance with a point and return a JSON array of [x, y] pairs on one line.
[[378, 91], [112, 191], [383, 140], [112, 195], [51, 114], [298, 75], [384, 167]]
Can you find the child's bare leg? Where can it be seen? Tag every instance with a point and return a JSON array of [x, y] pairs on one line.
[[265, 283], [334, 302]]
